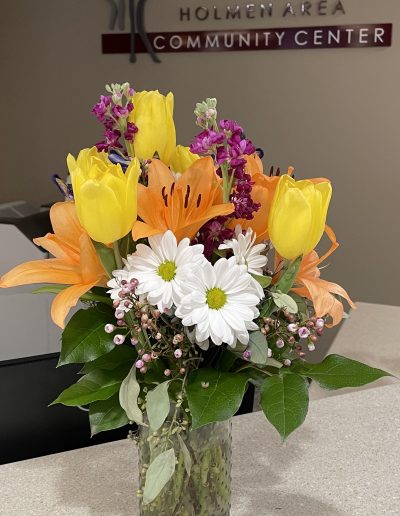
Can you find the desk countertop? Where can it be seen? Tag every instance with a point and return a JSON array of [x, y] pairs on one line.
[[343, 461]]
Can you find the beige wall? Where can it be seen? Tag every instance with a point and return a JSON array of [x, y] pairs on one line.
[[327, 112]]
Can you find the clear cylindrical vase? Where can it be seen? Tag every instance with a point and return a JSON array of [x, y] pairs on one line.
[[206, 491]]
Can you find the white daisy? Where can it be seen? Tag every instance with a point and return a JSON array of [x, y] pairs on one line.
[[221, 302], [162, 267], [248, 254]]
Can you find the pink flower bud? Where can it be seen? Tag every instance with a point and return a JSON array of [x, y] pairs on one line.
[[158, 336], [293, 327], [247, 354], [182, 370], [134, 341], [109, 328], [319, 323], [119, 339], [280, 343], [303, 332], [287, 362], [143, 369], [139, 364], [119, 314], [178, 353], [146, 357], [167, 372]]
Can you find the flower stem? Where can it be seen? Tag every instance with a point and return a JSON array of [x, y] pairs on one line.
[[117, 254]]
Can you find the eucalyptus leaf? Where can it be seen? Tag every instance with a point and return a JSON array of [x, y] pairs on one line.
[[128, 396], [84, 338], [214, 395], [187, 459], [288, 275], [336, 372], [258, 346], [97, 385], [284, 401], [159, 473], [106, 415], [157, 405], [285, 302], [264, 281]]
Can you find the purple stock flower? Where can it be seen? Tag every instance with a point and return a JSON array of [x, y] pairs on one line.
[[130, 132], [100, 109], [120, 111], [213, 233], [205, 141], [230, 125], [229, 146], [111, 140]]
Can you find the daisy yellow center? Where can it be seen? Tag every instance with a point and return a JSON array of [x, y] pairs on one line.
[[167, 270], [216, 298]]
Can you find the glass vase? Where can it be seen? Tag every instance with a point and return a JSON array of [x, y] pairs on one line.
[[207, 490]]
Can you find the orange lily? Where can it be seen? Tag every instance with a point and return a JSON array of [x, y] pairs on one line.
[[76, 262], [182, 206], [319, 291], [262, 192]]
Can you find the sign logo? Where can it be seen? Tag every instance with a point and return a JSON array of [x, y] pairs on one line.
[[138, 40]]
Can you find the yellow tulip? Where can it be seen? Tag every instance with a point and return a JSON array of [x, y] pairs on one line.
[[298, 214], [105, 197], [153, 115], [182, 159]]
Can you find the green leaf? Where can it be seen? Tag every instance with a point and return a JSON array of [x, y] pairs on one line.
[[160, 471], [187, 459], [106, 415], [226, 361], [123, 355], [264, 281], [107, 257], [157, 405], [155, 372], [258, 346], [284, 401], [84, 338], [128, 396], [267, 308], [97, 385], [301, 304], [285, 302], [288, 276], [126, 245], [214, 395], [336, 372]]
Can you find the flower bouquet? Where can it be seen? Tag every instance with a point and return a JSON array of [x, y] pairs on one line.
[[199, 275]]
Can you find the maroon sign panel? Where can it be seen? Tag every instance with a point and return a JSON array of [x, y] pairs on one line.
[[288, 38]]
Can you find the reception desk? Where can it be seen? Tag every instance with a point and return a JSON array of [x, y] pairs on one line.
[[343, 461]]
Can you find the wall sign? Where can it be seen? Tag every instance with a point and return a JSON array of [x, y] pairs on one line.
[[138, 40]]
